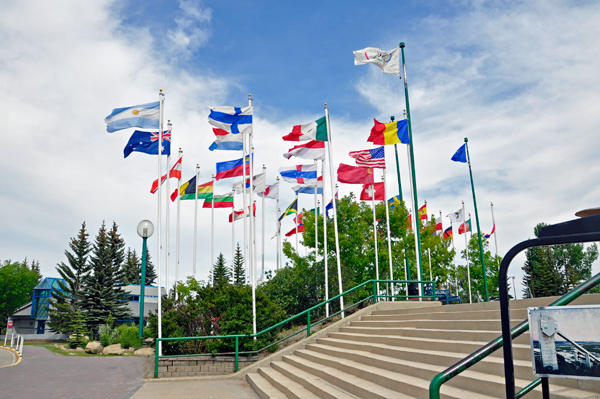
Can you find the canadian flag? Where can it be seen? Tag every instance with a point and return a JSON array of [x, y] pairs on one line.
[[174, 173], [237, 215]]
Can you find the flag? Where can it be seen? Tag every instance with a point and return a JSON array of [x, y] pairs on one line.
[[236, 215], [311, 150], [388, 61], [188, 190], [220, 201], [231, 119], [293, 231], [394, 201], [307, 189], [316, 130], [329, 206], [147, 142], [302, 174], [355, 174], [438, 227], [227, 141], [144, 116], [423, 212], [175, 172], [232, 168], [367, 191], [492, 232], [313, 211], [374, 158], [390, 133], [409, 227], [465, 227], [298, 219], [457, 216], [448, 232], [271, 191], [259, 184], [293, 208], [461, 154]]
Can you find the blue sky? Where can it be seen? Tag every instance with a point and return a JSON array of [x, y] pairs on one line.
[[518, 78]]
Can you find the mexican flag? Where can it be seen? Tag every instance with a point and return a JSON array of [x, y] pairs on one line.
[[316, 130]]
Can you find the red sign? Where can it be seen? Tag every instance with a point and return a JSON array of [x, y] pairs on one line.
[[10, 324]]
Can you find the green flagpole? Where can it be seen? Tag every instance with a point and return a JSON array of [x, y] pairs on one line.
[[487, 297], [414, 176]]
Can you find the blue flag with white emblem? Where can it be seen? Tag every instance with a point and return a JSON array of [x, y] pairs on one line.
[[147, 142], [461, 154]]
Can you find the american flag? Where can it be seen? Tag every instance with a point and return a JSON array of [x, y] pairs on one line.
[[374, 158]]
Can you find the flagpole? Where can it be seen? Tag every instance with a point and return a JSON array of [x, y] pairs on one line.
[[406, 259], [262, 274], [494, 222], [296, 221], [167, 200], [387, 219], [196, 219], [335, 223], [415, 226], [430, 270], [455, 267], [161, 97], [278, 231], [178, 226], [316, 215], [375, 235], [252, 248], [244, 204], [233, 233], [485, 285], [413, 174], [212, 236], [467, 254], [325, 253]]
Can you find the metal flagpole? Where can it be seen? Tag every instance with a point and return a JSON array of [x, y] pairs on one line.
[[316, 217], [335, 223], [406, 260], [487, 297], [212, 235], [375, 236], [161, 97], [244, 204], [178, 227], [252, 248], [387, 218], [455, 267], [262, 274], [296, 221], [415, 226], [430, 270], [196, 219], [467, 254], [325, 253], [413, 174], [278, 229], [494, 223], [233, 233], [167, 200]]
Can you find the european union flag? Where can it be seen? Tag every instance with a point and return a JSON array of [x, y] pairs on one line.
[[148, 142], [461, 154]]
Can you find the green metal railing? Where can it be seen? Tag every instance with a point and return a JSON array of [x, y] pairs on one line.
[[374, 296], [475, 357]]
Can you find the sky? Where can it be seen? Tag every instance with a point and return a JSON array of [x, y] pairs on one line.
[[517, 78]]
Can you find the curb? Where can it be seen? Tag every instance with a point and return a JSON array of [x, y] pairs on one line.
[[19, 358]]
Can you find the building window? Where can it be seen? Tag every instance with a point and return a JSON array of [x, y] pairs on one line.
[[41, 327]]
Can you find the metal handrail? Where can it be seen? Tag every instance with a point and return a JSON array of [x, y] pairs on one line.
[[485, 351], [307, 312]]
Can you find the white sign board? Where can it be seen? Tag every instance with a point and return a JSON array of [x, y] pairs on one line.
[[565, 341]]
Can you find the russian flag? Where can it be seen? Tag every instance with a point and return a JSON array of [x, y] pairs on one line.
[[232, 168]]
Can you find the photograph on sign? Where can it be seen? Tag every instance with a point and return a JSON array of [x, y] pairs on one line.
[[565, 341]]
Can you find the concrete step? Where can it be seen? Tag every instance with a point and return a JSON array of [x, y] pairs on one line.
[[311, 382], [515, 314], [290, 388], [485, 325], [263, 388]]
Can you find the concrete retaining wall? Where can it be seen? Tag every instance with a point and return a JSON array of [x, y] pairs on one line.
[[195, 366]]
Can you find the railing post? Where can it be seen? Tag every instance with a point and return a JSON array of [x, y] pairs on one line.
[[374, 291], [156, 359], [237, 346], [308, 323]]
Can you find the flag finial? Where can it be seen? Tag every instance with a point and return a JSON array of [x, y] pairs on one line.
[[466, 140], [402, 45]]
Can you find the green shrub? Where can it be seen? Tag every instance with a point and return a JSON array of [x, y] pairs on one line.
[[105, 339], [129, 336]]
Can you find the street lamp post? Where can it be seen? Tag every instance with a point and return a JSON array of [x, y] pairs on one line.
[[144, 229]]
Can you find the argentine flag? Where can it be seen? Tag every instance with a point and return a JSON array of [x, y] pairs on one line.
[[144, 116]]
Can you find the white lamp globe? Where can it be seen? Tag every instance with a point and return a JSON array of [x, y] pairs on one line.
[[145, 229]]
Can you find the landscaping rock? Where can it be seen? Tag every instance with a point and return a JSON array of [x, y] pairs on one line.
[[113, 350], [144, 352], [94, 347], [130, 349], [148, 341], [79, 350]]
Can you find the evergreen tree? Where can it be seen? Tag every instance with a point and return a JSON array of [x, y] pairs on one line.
[[239, 272], [222, 274], [132, 268], [66, 301], [117, 250], [150, 271], [103, 295], [78, 331]]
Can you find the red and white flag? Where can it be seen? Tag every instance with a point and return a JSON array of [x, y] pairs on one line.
[[293, 231], [237, 215], [311, 150], [367, 192], [271, 191], [174, 173]]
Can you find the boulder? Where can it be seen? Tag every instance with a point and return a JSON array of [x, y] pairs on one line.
[[144, 352], [148, 341], [94, 347], [79, 350], [131, 349], [113, 350]]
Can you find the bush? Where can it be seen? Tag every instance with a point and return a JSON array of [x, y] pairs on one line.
[[129, 336], [105, 339]]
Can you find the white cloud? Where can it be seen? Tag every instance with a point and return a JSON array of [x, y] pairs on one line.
[[192, 28]]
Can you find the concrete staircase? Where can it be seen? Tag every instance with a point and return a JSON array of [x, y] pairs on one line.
[[395, 352]]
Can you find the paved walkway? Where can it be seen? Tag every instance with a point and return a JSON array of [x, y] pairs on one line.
[[43, 375], [7, 357], [206, 389]]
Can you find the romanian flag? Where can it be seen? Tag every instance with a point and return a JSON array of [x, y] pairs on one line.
[[423, 212], [187, 191], [219, 201], [448, 232], [293, 208], [390, 133]]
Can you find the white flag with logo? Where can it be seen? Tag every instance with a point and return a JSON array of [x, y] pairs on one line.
[[457, 217], [388, 61]]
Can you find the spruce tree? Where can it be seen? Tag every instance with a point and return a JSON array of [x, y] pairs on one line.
[[222, 274], [117, 250], [150, 272], [239, 273], [78, 331], [132, 268], [66, 302], [103, 295]]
